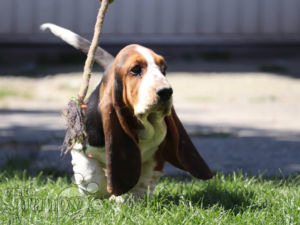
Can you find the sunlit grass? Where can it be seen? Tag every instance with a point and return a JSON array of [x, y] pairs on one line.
[[225, 199]]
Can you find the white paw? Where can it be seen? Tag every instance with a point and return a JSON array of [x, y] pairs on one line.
[[117, 199]]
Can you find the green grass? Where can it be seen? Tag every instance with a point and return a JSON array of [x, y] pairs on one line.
[[7, 92], [230, 199], [4, 93]]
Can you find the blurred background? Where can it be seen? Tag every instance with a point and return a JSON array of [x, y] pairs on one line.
[[234, 66]]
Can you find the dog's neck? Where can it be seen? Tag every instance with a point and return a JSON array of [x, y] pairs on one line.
[[152, 135]]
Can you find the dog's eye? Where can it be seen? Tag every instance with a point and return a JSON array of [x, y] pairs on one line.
[[163, 69], [136, 70]]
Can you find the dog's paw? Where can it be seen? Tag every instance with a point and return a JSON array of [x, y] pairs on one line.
[[117, 199]]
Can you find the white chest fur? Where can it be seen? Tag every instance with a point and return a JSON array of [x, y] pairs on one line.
[[150, 138], [152, 135]]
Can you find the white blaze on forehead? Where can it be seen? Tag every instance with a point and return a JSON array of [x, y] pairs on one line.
[[152, 68], [152, 76], [147, 55]]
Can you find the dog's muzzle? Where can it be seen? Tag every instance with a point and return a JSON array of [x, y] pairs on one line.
[[164, 93]]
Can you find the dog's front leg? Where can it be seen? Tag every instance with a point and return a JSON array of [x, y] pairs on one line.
[[148, 180]]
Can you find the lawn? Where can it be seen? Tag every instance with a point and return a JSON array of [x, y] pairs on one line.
[[225, 199]]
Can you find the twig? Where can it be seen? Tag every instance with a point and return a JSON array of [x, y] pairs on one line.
[[75, 111], [88, 67]]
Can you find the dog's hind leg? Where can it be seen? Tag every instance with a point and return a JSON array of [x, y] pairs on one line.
[[89, 175]]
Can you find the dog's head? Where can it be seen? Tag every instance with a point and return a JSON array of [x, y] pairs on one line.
[[140, 76]]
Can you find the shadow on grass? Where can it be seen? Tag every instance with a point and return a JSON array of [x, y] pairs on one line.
[[211, 196], [227, 199], [39, 60], [235, 193], [21, 167]]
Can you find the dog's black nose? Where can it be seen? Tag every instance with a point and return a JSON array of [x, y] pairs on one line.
[[164, 93]]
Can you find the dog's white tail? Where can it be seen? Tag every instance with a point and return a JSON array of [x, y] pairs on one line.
[[103, 58]]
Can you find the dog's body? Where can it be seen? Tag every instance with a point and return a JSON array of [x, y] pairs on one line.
[[133, 129], [88, 170]]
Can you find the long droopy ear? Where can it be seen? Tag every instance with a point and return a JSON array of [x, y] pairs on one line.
[[123, 158], [179, 150]]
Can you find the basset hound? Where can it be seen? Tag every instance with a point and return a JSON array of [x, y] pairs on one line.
[[133, 129]]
